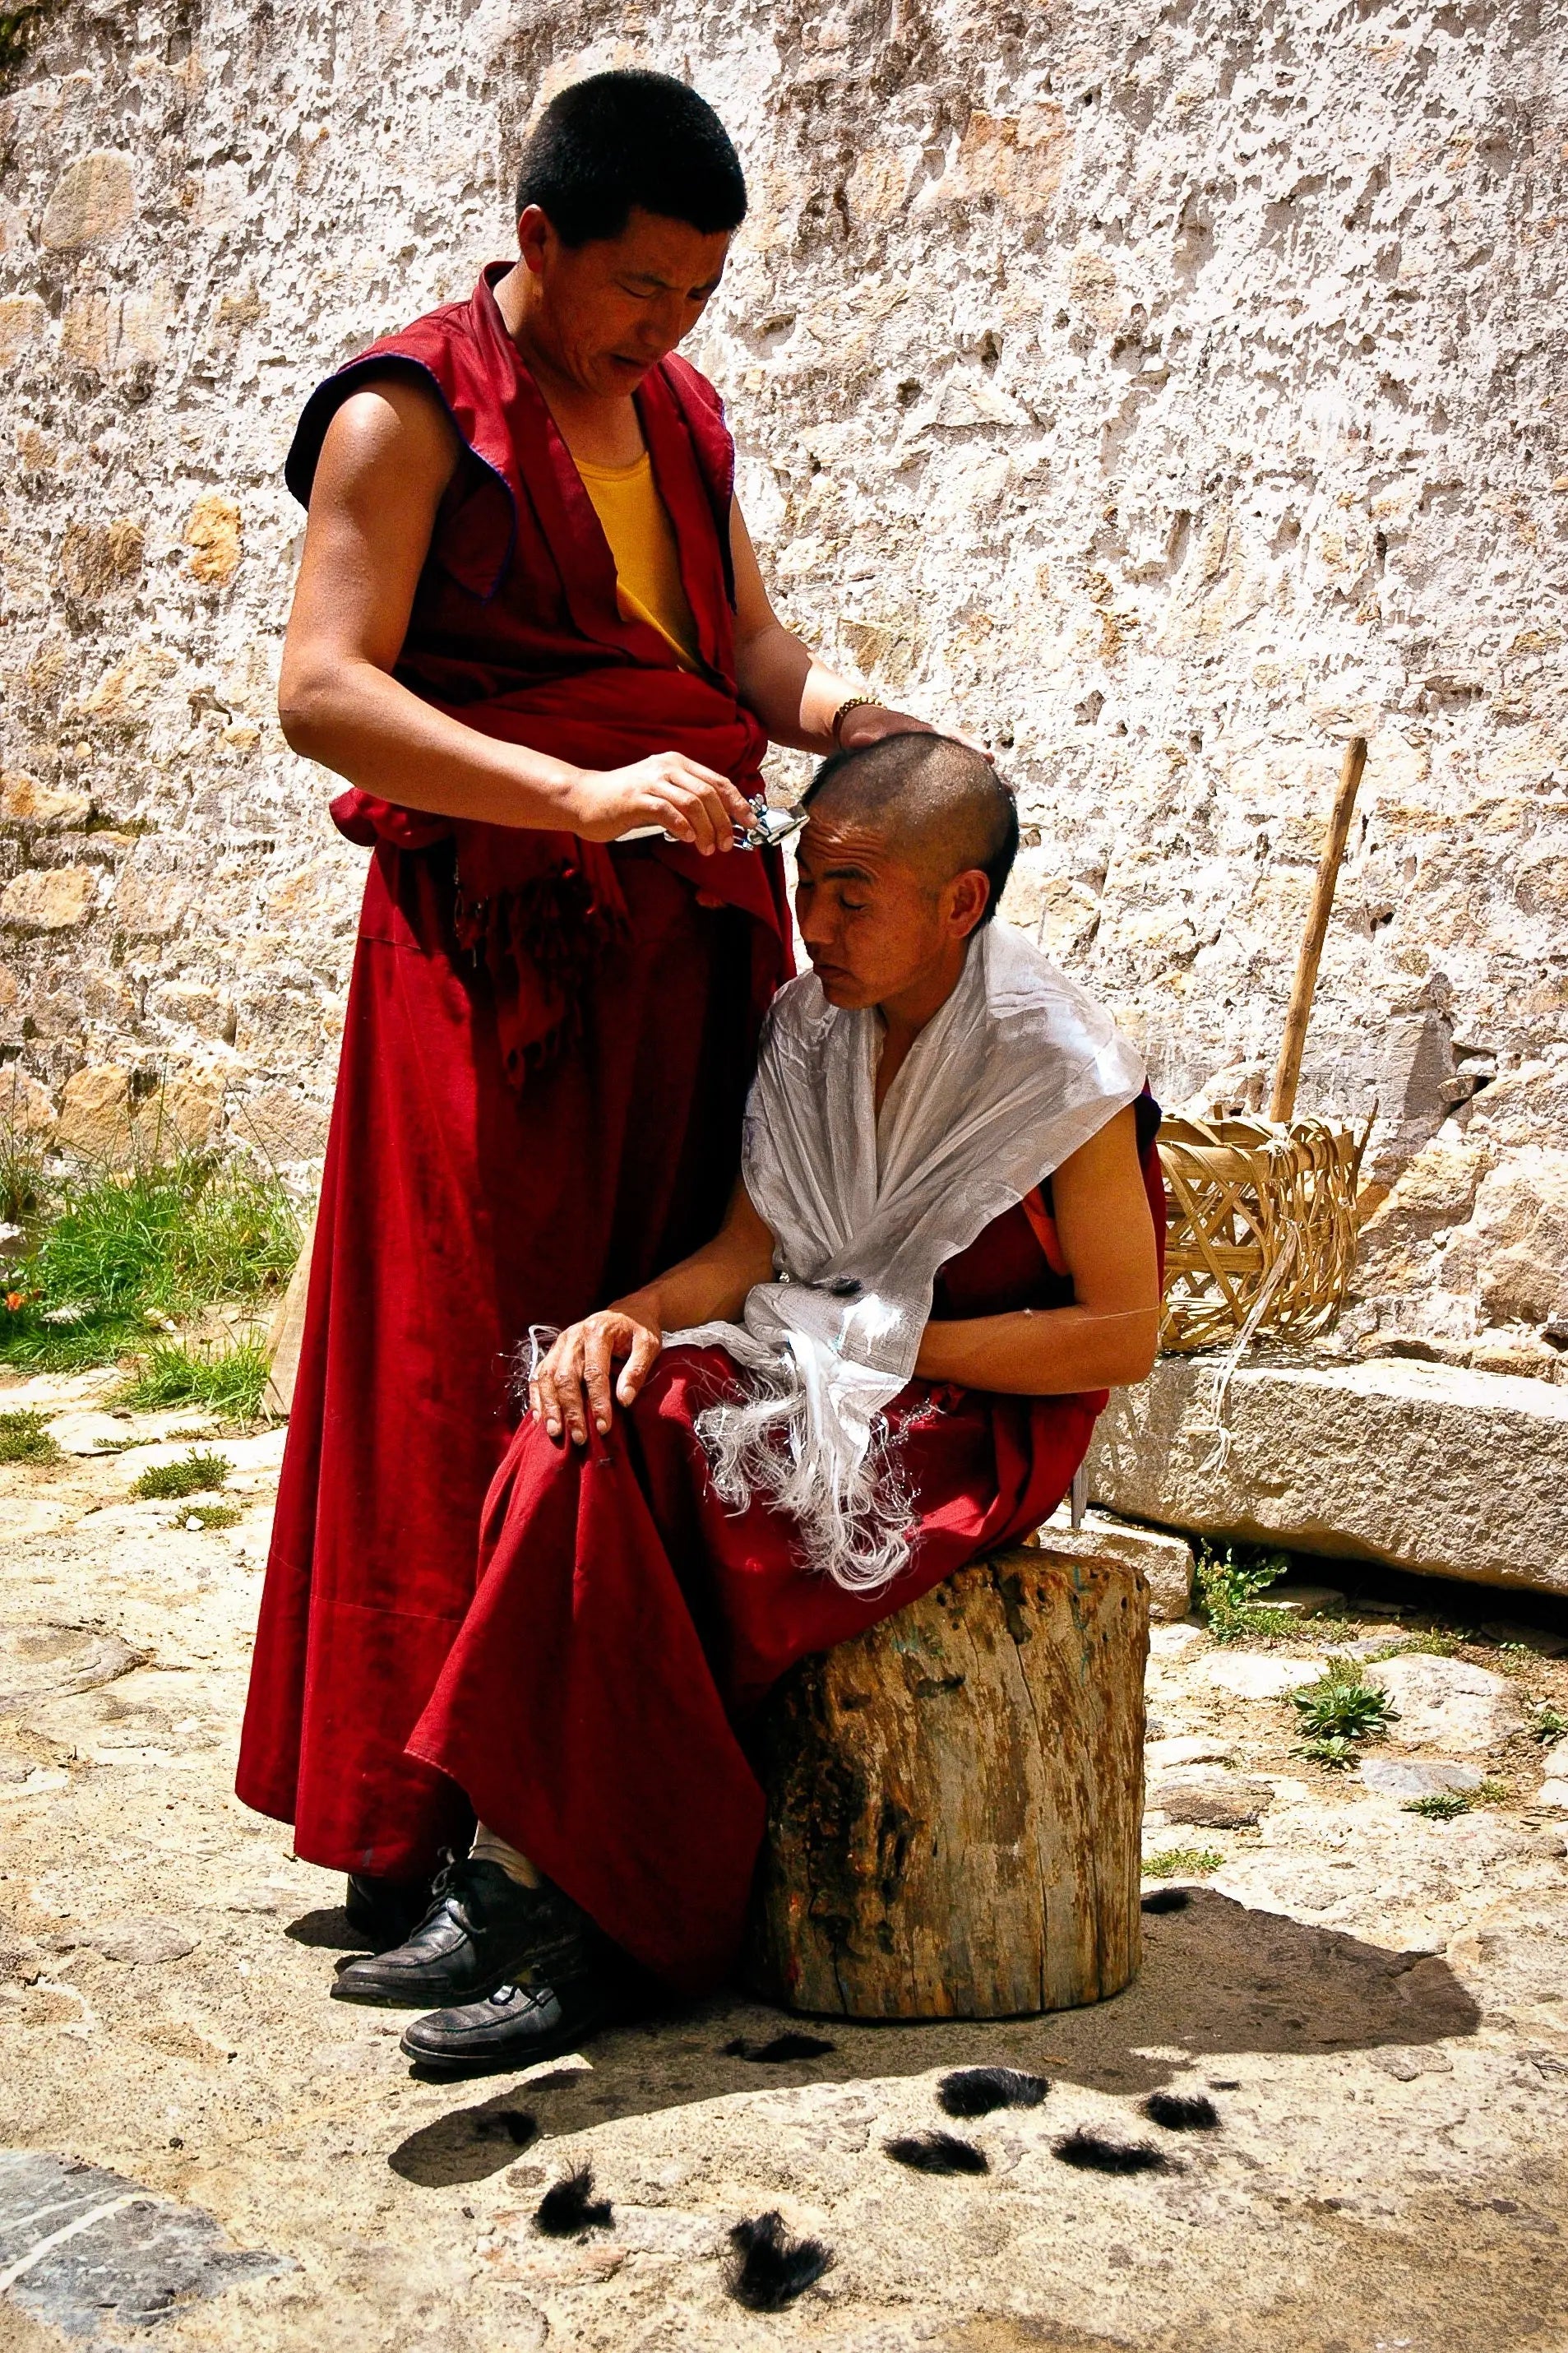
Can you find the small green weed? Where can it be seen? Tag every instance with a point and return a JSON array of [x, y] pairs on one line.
[[233, 1383], [25, 1438], [1436, 1644], [193, 1474], [1443, 1805], [1546, 1722], [1180, 1862], [1335, 1751], [210, 1515], [1230, 1579], [1342, 1705]]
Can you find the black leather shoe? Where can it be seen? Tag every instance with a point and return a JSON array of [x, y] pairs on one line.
[[385, 1911], [516, 2026], [481, 1930]]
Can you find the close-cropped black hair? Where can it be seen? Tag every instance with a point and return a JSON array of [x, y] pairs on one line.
[[897, 759], [626, 139]]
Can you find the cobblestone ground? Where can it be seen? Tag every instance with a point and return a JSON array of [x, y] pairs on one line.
[[1373, 2000]]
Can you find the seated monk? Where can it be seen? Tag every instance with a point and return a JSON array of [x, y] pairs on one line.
[[942, 1252]]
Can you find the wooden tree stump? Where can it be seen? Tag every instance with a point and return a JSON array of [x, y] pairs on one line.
[[955, 1800]]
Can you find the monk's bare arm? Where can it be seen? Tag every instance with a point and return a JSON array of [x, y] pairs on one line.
[[573, 1384], [795, 695], [1107, 1338], [387, 458]]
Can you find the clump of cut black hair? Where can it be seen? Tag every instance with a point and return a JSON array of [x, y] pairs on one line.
[[782, 2047], [975, 2091], [625, 140], [937, 2152], [1167, 1899], [568, 2206], [935, 790], [508, 2123], [769, 2269], [1091, 2152], [1181, 2111]]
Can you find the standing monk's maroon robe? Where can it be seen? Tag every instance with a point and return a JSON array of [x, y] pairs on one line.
[[628, 1622], [545, 1059]]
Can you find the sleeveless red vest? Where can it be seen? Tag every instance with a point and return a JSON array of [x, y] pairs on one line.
[[516, 630]]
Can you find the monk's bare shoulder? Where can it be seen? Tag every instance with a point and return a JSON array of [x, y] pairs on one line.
[[391, 435]]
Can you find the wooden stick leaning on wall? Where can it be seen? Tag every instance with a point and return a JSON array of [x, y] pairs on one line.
[[1288, 1072]]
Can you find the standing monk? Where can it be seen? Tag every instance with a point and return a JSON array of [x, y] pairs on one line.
[[529, 625]]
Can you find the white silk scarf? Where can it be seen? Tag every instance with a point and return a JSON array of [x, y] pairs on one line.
[[1017, 1070]]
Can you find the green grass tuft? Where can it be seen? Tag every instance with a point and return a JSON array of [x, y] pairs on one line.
[[192, 1474], [115, 1249], [1546, 1722], [1443, 1805], [1230, 1579], [25, 1438], [1182, 1862], [210, 1515], [232, 1383], [1342, 1705], [1335, 1751], [1435, 1643]]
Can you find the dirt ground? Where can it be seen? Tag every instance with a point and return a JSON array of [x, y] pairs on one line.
[[1375, 2002]]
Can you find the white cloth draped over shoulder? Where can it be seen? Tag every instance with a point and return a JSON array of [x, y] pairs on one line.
[[1018, 1069]]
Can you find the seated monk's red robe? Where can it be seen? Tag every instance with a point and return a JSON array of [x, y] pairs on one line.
[[628, 1622], [545, 1059]]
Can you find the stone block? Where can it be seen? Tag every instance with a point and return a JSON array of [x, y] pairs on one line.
[[23, 322], [94, 198], [282, 1122], [1448, 1702], [24, 802], [26, 1107], [1419, 1776], [1427, 1467], [1514, 1250], [95, 1113], [1165, 1560], [212, 535], [191, 1005], [1259, 1674], [49, 899], [94, 558], [1212, 1799], [1163, 1754], [188, 1111], [1305, 1600], [150, 904]]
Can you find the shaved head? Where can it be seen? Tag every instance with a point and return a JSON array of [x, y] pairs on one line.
[[938, 806]]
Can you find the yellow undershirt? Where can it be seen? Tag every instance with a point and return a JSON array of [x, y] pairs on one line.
[[642, 539]]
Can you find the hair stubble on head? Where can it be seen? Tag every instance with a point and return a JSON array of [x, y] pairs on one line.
[[630, 140], [941, 805]]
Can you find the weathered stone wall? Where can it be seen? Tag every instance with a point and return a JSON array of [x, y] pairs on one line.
[[1162, 392]]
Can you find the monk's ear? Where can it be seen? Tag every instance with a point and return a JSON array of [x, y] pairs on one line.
[[969, 896], [535, 236]]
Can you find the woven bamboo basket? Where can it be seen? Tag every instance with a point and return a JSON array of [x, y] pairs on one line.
[[1261, 1228]]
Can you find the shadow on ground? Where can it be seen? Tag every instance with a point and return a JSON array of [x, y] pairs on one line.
[[1217, 1978]]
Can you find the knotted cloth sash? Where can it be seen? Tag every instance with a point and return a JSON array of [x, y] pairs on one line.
[[1018, 1069]]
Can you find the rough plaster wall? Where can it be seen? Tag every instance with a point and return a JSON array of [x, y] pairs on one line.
[[1162, 392]]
